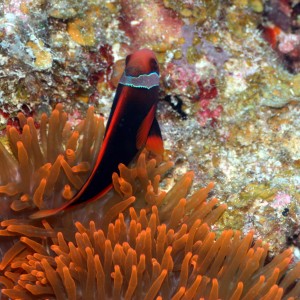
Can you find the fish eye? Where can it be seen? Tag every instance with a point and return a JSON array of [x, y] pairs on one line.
[[153, 65], [127, 59], [133, 71]]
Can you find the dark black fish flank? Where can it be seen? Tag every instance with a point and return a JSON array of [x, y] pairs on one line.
[[130, 124]]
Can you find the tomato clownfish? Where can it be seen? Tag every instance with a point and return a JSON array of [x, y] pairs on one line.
[[131, 126]]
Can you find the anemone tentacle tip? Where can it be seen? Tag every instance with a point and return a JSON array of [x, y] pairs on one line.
[[138, 242]]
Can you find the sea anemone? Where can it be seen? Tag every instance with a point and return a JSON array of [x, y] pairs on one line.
[[47, 166], [141, 258], [137, 242]]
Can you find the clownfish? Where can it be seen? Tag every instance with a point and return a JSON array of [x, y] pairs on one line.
[[131, 126]]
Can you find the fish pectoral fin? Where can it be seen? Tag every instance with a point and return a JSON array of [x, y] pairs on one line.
[[143, 131], [154, 142]]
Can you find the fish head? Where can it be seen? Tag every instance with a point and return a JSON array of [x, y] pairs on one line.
[[141, 62]]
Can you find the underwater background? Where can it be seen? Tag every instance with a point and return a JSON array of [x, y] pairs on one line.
[[229, 91]]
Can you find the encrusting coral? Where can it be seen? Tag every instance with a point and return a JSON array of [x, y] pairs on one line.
[[137, 242]]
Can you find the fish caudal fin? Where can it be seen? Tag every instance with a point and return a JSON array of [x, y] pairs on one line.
[[42, 214]]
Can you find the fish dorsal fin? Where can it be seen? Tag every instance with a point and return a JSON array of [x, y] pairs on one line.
[[154, 142], [144, 129]]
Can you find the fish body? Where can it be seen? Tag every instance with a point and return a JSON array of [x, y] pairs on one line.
[[131, 125]]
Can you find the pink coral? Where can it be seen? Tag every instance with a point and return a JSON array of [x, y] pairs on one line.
[[288, 42], [180, 77], [207, 111], [149, 23], [281, 200], [183, 79]]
